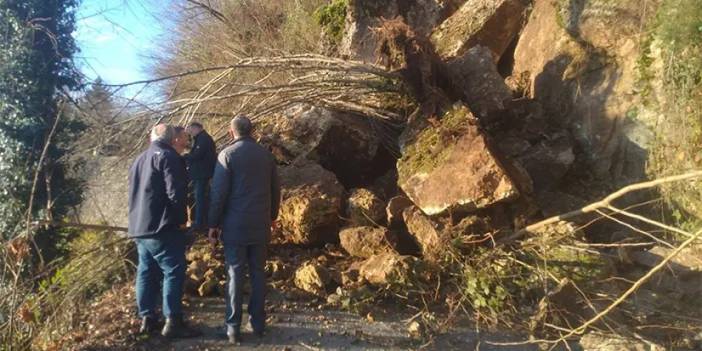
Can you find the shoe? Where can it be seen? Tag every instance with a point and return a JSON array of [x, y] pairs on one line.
[[175, 328], [235, 337], [148, 325]]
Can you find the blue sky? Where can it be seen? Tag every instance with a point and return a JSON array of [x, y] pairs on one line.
[[116, 37]]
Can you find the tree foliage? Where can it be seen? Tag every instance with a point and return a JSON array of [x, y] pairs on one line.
[[36, 51]]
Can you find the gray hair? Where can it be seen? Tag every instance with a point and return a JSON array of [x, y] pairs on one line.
[[241, 125], [163, 132]]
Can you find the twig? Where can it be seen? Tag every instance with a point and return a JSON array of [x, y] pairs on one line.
[[606, 202], [632, 289]]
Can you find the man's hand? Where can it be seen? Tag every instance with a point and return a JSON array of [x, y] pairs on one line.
[[214, 235]]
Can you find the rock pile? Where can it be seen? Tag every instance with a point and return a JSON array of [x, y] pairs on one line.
[[480, 150]]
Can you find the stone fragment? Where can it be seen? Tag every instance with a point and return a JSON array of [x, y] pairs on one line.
[[394, 209], [312, 278], [425, 233], [474, 75], [367, 241], [390, 268], [451, 166], [607, 342], [365, 208], [277, 269], [311, 204], [492, 23]]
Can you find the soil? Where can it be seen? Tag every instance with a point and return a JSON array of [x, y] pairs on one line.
[[292, 325]]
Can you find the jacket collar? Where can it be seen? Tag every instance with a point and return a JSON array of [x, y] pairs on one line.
[[244, 138]]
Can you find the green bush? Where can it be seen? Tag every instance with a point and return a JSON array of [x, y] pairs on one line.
[[332, 18]]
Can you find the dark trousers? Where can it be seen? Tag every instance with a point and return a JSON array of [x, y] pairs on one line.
[[236, 258], [160, 257], [200, 201]]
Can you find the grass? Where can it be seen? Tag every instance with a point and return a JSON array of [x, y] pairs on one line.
[[92, 264], [670, 73]]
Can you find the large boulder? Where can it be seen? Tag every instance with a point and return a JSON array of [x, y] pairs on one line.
[[311, 204], [425, 232], [367, 241], [492, 23], [365, 208], [580, 61], [391, 269], [453, 152], [360, 43], [475, 76], [341, 142]]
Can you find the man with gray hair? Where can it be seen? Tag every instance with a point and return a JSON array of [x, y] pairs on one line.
[[157, 215], [244, 203]]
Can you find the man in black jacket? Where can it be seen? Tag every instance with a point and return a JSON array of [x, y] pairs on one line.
[[157, 216], [201, 161], [244, 203]]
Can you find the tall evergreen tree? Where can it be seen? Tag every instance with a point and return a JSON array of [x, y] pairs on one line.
[[36, 51]]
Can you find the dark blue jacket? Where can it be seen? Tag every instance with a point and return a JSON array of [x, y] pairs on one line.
[[157, 191], [202, 157], [245, 193]]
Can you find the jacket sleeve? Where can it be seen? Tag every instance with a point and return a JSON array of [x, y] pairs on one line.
[[176, 186], [219, 190], [275, 192]]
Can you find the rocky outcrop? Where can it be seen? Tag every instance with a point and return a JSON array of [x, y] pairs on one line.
[[311, 204], [491, 23], [367, 241], [582, 69], [341, 142], [425, 233], [365, 208], [475, 76], [388, 269], [455, 153]]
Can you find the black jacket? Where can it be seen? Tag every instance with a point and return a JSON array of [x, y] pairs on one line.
[[157, 191], [245, 193], [202, 157]]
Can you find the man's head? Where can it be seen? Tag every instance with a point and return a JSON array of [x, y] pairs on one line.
[[181, 140], [194, 128], [163, 132], [240, 127]]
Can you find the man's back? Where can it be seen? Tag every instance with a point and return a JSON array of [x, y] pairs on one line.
[[157, 186], [202, 157], [245, 193]]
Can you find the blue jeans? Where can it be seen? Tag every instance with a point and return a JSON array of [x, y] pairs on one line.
[[200, 202], [236, 258], [160, 257]]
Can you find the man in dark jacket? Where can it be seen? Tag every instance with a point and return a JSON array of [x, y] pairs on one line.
[[245, 198], [201, 161], [157, 216]]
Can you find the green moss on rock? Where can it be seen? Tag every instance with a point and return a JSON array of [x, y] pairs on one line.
[[433, 145]]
